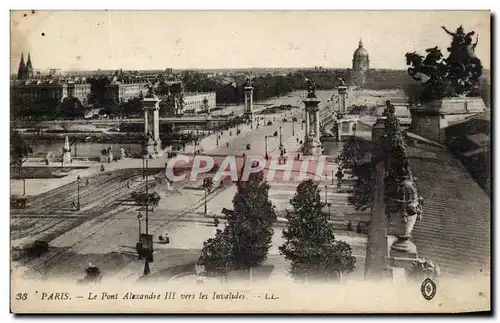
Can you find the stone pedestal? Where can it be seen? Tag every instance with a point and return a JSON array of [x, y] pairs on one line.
[[152, 126], [431, 119], [312, 143], [106, 158], [151, 149], [66, 158], [248, 110], [346, 125]]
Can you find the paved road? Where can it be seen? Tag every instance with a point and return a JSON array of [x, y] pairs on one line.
[[105, 230], [107, 222]]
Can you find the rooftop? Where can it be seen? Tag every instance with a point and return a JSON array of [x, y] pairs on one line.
[[456, 221]]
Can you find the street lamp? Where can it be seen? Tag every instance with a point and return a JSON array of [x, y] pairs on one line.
[[143, 158], [293, 128], [139, 218], [205, 208], [332, 177], [281, 142], [78, 193], [267, 156], [326, 200]]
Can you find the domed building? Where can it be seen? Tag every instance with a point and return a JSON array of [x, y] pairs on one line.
[[360, 66]]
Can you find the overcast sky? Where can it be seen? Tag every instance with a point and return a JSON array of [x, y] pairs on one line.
[[87, 40]]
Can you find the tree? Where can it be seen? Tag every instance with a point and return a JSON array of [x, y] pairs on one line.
[[361, 194], [310, 244], [216, 255], [246, 239], [351, 154], [71, 107], [252, 221], [19, 150]]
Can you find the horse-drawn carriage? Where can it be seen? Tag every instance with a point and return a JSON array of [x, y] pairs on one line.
[[142, 199], [19, 202]]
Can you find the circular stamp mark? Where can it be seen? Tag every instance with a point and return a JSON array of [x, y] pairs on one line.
[[428, 289]]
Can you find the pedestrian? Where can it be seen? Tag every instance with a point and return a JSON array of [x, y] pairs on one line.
[[102, 168], [227, 144], [87, 182], [340, 176], [349, 226], [138, 248], [216, 222], [73, 206]]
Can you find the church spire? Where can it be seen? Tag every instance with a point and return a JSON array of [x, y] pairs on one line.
[[28, 62], [21, 72], [29, 67]]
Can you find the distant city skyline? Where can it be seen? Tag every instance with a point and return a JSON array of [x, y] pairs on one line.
[[210, 40]]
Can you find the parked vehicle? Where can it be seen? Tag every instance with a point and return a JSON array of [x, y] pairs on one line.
[[19, 202], [141, 199]]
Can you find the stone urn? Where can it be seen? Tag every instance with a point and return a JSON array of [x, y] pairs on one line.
[[404, 207]]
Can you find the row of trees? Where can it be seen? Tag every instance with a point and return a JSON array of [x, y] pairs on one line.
[[310, 245], [50, 109], [230, 90]]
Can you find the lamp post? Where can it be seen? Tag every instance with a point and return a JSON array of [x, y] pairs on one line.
[[332, 177], [139, 218], [293, 128], [326, 200], [129, 151], [24, 186], [205, 207], [267, 156], [78, 193], [143, 159], [281, 142]]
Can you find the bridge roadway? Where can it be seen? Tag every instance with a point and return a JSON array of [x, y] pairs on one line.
[[105, 230], [201, 119]]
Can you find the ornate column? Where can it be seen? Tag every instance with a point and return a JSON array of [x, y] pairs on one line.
[[316, 129], [307, 130], [146, 122], [312, 145], [342, 90], [345, 122], [248, 89], [152, 126]]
